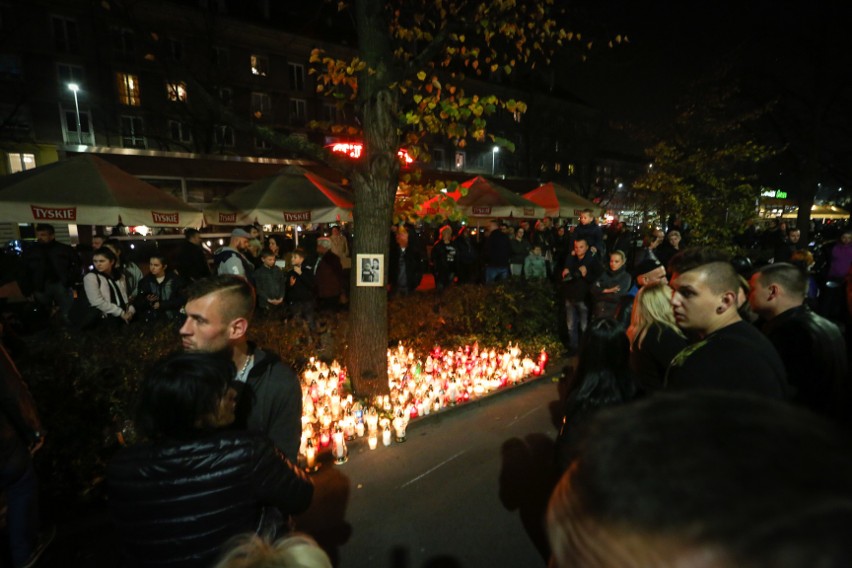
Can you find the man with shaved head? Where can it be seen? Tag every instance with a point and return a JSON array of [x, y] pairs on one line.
[[218, 314], [728, 353]]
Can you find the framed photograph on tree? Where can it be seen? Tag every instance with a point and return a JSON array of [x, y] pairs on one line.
[[371, 270]]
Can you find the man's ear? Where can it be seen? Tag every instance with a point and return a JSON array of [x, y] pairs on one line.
[[774, 291], [728, 300], [238, 328]]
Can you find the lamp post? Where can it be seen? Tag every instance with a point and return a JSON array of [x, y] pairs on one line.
[[74, 87], [494, 151]]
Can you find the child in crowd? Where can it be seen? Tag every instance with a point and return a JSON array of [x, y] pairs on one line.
[[270, 281], [535, 266]]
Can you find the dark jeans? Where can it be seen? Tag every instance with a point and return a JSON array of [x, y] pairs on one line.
[[496, 273], [576, 320], [18, 480]]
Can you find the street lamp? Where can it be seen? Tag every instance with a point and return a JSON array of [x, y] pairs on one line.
[[494, 151], [74, 87]]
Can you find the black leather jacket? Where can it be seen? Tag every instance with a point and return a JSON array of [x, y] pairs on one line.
[[814, 354], [176, 503]]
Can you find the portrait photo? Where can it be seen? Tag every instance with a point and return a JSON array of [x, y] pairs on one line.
[[371, 271]]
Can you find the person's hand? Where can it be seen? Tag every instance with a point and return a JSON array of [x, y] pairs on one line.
[[594, 250], [564, 272], [292, 281], [583, 270], [126, 316]]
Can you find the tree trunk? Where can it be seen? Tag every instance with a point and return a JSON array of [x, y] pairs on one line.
[[375, 182]]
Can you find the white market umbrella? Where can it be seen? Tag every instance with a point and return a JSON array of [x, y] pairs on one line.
[[87, 190], [293, 196]]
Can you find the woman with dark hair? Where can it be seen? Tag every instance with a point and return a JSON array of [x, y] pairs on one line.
[[106, 288], [188, 486], [602, 379], [159, 296]]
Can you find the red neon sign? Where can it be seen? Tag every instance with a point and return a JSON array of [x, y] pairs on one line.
[[353, 150]]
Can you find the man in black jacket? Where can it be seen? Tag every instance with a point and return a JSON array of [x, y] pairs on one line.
[[582, 269], [811, 347], [406, 265], [191, 261], [498, 252], [218, 314], [728, 353], [52, 269]]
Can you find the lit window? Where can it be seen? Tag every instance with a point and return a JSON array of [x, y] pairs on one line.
[[570, 169], [259, 65], [223, 135], [260, 104], [65, 35], [298, 111], [297, 76], [557, 167], [122, 40], [131, 132], [179, 131], [176, 91], [69, 74], [517, 115], [21, 162], [459, 160], [128, 89]]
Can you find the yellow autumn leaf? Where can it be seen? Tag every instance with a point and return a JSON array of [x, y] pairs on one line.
[[421, 75]]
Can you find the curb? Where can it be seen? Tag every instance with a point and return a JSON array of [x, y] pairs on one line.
[[557, 366]]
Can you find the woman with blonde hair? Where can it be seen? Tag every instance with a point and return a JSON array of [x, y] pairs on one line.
[[654, 336], [293, 551]]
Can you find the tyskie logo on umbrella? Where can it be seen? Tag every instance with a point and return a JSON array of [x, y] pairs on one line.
[[227, 217], [54, 213], [299, 216], [481, 210], [166, 218]]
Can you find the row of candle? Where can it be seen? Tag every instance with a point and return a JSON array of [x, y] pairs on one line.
[[331, 417]]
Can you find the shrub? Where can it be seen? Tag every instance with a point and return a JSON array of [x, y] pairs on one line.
[[85, 384]]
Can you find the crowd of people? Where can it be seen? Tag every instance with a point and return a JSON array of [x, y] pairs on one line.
[[655, 327]]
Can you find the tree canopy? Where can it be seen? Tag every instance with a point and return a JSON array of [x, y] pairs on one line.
[[426, 69]]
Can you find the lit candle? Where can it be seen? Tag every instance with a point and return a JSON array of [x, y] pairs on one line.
[[386, 436], [339, 448], [399, 428], [359, 429], [373, 441], [311, 455]]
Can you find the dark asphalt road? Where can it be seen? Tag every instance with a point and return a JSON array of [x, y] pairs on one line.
[[467, 489]]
